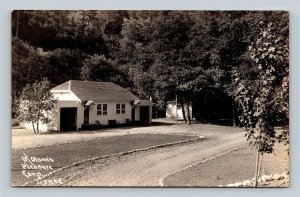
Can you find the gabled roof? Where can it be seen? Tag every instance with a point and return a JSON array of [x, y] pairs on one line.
[[97, 91]]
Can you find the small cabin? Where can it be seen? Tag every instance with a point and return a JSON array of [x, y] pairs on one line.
[[90, 104], [175, 112]]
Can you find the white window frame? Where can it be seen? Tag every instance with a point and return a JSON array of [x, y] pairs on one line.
[[123, 108], [120, 108], [101, 109]]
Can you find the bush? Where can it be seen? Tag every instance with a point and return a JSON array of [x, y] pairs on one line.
[[15, 123]]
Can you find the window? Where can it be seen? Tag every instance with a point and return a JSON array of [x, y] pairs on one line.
[[123, 108], [102, 109], [120, 108], [99, 109]]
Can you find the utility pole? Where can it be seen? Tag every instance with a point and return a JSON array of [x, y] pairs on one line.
[[176, 109]]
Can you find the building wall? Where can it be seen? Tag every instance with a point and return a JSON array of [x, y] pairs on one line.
[[54, 115], [137, 112], [111, 113], [65, 95], [143, 103], [68, 99], [171, 111], [65, 104]]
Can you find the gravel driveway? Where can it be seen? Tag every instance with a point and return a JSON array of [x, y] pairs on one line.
[[147, 168]]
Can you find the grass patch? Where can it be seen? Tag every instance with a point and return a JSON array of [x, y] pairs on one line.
[[67, 154], [234, 167]]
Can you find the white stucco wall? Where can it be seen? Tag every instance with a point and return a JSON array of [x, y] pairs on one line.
[[67, 99], [66, 104], [65, 95], [111, 113], [171, 111]]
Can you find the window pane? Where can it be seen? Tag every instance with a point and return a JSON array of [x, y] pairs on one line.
[[98, 112], [99, 107], [105, 113], [118, 106], [104, 107], [123, 111], [118, 111], [123, 106]]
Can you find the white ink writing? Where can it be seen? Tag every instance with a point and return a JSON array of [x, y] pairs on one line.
[[50, 182], [31, 169]]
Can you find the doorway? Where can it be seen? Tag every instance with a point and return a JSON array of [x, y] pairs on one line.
[[68, 117], [144, 114], [86, 119]]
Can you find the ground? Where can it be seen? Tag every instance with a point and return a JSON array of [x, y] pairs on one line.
[[164, 154]]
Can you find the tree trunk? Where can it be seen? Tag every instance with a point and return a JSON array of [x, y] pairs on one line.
[[33, 127], [260, 162], [258, 167], [37, 127], [256, 170], [38, 119], [182, 108], [233, 115], [188, 113], [18, 24], [82, 30]]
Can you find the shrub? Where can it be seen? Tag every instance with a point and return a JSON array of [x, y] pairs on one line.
[[15, 123]]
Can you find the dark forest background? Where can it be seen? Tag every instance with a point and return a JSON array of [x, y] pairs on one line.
[[157, 54]]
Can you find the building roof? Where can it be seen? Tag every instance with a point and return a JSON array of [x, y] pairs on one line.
[[97, 91]]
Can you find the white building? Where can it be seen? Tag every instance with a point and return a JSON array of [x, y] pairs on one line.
[[176, 112], [86, 104]]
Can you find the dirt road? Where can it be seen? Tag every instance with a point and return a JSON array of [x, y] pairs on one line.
[[150, 167]]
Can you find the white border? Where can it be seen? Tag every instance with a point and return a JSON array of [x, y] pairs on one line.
[[293, 6]]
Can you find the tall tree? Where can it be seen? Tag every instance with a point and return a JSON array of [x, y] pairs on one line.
[[270, 55], [28, 63]]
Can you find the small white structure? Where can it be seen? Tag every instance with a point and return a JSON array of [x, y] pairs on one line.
[[171, 110], [86, 103]]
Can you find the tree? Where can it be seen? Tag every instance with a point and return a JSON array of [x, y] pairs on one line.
[[257, 103], [99, 68], [35, 101], [28, 66], [153, 48], [63, 65]]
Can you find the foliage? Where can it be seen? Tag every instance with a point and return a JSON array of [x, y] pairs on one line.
[[257, 103], [270, 54], [153, 53], [163, 55], [99, 68], [15, 123], [35, 101], [28, 63]]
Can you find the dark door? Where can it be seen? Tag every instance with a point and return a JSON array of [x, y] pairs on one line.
[[133, 114], [86, 115], [68, 118], [144, 114]]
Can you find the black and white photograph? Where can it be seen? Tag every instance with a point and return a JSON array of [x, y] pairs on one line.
[[150, 98]]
